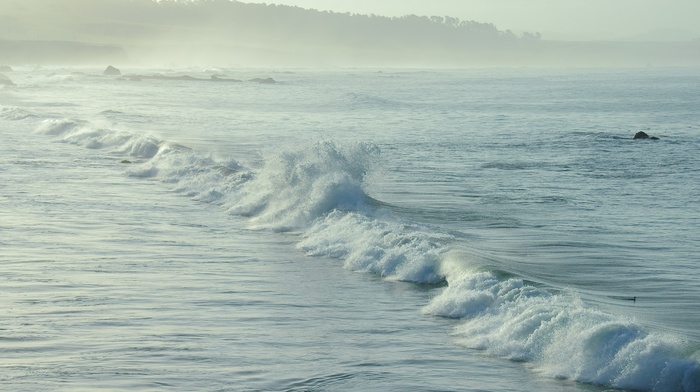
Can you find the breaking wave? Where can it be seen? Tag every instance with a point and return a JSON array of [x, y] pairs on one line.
[[562, 336], [317, 191]]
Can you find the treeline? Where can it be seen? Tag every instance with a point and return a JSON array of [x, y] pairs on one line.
[[223, 25], [279, 23], [260, 21], [226, 32]]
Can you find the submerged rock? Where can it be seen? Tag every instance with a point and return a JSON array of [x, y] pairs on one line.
[[643, 135], [112, 71]]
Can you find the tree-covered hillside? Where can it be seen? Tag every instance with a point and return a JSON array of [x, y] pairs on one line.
[[230, 32]]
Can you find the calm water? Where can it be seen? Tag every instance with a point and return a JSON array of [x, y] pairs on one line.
[[350, 229]]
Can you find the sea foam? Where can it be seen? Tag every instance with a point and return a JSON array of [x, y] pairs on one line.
[[297, 186], [83, 133], [560, 334], [15, 114], [382, 246]]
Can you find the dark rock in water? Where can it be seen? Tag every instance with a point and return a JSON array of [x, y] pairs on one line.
[[6, 68], [643, 135], [126, 161], [264, 81], [5, 81], [112, 71]]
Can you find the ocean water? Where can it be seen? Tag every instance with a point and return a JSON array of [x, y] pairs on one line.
[[350, 230]]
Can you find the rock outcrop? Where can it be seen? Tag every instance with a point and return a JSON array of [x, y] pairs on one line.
[[111, 71], [643, 135]]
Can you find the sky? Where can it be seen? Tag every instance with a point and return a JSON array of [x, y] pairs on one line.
[[555, 19]]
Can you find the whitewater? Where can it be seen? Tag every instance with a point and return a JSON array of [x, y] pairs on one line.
[[491, 229]]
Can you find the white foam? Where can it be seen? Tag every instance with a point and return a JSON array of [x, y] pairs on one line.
[[295, 187], [292, 189], [562, 336], [15, 114], [86, 134], [58, 126], [196, 175], [381, 246], [315, 189]]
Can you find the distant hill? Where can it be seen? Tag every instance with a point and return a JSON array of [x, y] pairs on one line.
[[234, 33]]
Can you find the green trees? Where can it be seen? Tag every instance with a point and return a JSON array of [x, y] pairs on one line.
[[143, 24]]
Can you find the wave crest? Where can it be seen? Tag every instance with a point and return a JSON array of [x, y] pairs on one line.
[[295, 187], [381, 246], [15, 114], [560, 335], [86, 134]]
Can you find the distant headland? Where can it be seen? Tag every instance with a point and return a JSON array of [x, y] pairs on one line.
[[234, 33]]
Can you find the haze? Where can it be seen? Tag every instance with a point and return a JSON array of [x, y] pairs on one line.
[[354, 33]]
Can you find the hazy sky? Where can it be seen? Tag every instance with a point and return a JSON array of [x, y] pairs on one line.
[[555, 19]]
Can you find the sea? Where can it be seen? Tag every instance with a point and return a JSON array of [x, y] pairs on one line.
[[350, 229]]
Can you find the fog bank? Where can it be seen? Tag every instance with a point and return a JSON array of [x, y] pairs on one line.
[[232, 33]]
